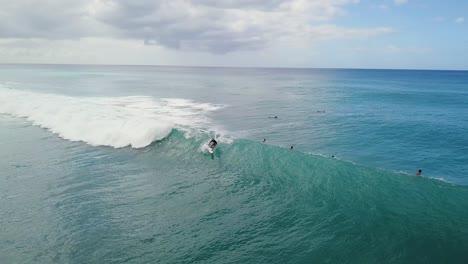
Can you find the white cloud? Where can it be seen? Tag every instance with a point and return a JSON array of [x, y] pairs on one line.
[[134, 52], [459, 20], [400, 2], [198, 25], [83, 51]]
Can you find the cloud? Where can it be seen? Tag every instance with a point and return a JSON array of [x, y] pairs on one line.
[[55, 20], [459, 20], [197, 25], [400, 2]]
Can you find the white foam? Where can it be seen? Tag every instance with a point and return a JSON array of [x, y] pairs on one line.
[[106, 121], [204, 148], [217, 133]]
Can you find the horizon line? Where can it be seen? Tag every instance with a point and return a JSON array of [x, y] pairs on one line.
[[233, 67]]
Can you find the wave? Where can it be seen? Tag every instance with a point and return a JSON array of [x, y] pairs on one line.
[[259, 158], [318, 196], [313, 202], [134, 121]]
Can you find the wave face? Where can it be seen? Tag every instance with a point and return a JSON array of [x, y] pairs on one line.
[[265, 204], [248, 203], [109, 121], [171, 202]]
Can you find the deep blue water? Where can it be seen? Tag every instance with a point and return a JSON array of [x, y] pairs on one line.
[[109, 164]]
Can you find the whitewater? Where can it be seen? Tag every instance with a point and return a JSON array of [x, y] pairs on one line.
[[108, 164], [134, 121]]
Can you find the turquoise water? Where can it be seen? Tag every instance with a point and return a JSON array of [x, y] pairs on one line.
[[108, 164]]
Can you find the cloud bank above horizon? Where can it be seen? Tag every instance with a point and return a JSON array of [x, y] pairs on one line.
[[196, 30], [197, 25]]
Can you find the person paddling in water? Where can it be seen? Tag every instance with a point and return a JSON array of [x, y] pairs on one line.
[[419, 173]]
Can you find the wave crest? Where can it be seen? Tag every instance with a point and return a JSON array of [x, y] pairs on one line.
[[134, 121]]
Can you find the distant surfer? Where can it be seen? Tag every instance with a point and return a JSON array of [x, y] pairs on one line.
[[273, 117], [212, 145], [419, 173], [291, 148], [264, 140]]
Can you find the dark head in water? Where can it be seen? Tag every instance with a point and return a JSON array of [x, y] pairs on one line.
[[291, 147], [419, 173], [213, 143]]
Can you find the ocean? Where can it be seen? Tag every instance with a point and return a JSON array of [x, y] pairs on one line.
[[109, 164]]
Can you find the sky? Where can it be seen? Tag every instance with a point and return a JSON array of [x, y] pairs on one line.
[[396, 34]]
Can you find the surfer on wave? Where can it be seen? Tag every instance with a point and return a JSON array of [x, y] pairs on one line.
[[212, 145]]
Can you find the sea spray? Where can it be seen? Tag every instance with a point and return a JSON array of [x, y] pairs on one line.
[[108, 121]]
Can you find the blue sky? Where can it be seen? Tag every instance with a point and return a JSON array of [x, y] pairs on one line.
[[410, 34], [427, 33]]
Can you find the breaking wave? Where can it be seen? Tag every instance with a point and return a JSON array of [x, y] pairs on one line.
[[117, 122]]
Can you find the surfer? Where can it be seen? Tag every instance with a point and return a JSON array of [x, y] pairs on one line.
[[419, 173], [213, 143], [264, 140], [273, 117], [291, 148]]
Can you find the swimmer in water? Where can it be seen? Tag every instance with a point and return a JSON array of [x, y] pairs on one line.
[[419, 173], [291, 148]]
